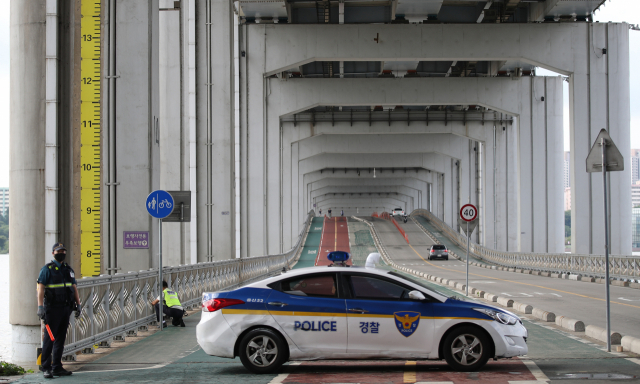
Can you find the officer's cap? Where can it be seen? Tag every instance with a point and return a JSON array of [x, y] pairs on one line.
[[59, 247]]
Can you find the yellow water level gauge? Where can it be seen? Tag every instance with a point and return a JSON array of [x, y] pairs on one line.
[[90, 132]]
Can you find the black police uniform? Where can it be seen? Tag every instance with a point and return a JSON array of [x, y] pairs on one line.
[[59, 300]]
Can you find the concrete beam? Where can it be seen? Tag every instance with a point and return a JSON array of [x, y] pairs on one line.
[[474, 130], [558, 47]]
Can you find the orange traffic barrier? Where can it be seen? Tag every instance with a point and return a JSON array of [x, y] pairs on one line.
[[402, 232]]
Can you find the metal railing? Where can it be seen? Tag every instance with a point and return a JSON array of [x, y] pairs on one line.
[[376, 239], [620, 266], [116, 306]]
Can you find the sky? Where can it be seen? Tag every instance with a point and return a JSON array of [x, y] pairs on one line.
[[616, 11], [4, 94], [613, 10]]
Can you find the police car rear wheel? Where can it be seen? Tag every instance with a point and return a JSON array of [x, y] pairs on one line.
[[262, 351], [466, 349]]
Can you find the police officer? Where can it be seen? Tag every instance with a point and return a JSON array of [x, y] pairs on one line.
[[57, 297], [171, 306]]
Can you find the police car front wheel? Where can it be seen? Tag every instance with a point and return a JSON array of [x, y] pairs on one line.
[[466, 349], [262, 351]]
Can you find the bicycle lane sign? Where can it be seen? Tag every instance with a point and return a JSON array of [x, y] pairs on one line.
[[159, 204]]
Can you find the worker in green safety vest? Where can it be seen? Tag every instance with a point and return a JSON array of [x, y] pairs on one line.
[[171, 306]]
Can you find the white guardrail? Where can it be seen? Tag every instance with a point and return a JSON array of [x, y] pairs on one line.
[[116, 306], [620, 267]]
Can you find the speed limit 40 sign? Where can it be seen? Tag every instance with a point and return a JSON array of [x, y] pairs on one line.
[[468, 212]]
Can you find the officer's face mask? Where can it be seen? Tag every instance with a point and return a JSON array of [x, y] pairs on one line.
[[60, 257]]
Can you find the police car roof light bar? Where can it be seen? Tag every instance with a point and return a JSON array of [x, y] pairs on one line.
[[339, 258]]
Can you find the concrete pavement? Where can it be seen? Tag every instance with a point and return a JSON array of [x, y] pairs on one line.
[[579, 300], [554, 355]]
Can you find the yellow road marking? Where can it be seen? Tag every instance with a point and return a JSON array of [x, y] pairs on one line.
[[335, 243], [517, 282], [410, 372]]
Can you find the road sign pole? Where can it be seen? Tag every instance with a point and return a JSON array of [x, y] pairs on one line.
[[160, 204], [467, 286], [608, 159], [603, 144], [160, 295]]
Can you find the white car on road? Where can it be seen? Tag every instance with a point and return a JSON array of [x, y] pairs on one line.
[[397, 212], [353, 313]]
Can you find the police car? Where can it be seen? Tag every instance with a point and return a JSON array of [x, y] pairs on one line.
[[341, 312]]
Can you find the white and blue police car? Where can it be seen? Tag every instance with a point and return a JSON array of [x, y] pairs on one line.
[[353, 313]]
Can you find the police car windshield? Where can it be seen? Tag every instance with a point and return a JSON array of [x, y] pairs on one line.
[[418, 282]]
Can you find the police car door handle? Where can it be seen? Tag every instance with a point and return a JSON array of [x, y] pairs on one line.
[[359, 310], [279, 304]]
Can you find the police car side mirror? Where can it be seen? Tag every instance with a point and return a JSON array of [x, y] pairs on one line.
[[417, 295]]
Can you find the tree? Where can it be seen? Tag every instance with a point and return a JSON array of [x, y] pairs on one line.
[[567, 218], [4, 232]]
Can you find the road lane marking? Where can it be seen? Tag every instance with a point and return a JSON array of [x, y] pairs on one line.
[[335, 244], [283, 376], [435, 382], [157, 366], [634, 360], [535, 371], [517, 282], [409, 372]]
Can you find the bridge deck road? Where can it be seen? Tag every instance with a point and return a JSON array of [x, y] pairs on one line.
[[578, 300], [173, 356]]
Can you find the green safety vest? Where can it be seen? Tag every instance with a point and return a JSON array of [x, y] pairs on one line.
[[171, 298]]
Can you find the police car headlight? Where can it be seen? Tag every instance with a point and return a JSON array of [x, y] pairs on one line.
[[498, 316]]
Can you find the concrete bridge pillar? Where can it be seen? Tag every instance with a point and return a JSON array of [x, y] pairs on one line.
[[599, 97], [174, 149], [215, 130], [27, 132]]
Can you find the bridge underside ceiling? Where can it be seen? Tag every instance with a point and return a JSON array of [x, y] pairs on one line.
[[414, 11], [391, 69]]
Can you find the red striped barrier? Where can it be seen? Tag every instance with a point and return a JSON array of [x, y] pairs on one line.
[[402, 232]]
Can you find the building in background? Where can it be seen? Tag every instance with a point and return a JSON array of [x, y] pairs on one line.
[[4, 200], [567, 170], [635, 229], [635, 194], [567, 181], [635, 165]]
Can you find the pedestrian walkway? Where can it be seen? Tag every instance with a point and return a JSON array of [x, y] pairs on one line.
[[361, 242], [170, 356], [309, 251], [173, 355]]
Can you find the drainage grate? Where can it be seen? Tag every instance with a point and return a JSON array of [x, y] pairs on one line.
[[593, 376]]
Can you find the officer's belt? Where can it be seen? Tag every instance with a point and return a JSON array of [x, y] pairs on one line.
[[59, 285]]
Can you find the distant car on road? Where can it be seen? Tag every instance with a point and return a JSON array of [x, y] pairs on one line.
[[397, 212], [353, 313], [438, 252]]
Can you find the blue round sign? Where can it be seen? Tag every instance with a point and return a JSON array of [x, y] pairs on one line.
[[159, 204]]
